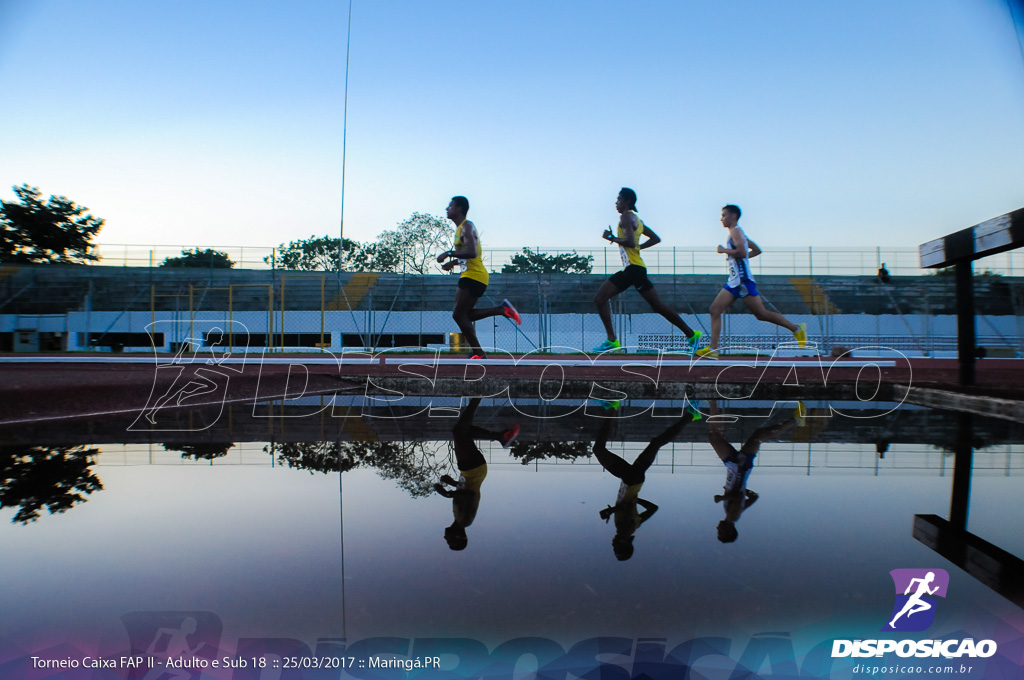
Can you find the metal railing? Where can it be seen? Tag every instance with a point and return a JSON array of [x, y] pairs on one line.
[[809, 261]]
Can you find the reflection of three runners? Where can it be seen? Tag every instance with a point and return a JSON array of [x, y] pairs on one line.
[[738, 249]]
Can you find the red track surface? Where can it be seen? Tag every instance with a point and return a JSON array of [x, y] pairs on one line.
[[39, 391]]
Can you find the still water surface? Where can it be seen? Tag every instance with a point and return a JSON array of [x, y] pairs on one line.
[[274, 541]]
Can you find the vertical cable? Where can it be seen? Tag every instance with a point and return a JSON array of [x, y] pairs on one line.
[[1017, 22], [344, 140], [341, 516]]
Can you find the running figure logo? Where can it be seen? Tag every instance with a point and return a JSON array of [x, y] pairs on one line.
[[914, 609]]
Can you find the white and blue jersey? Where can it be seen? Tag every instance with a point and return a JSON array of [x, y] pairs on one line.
[[737, 471], [741, 279]]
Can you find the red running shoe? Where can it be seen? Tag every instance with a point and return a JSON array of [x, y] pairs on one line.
[[509, 436], [511, 312]]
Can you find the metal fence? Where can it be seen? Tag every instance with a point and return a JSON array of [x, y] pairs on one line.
[[809, 261], [796, 457], [110, 308], [298, 312], [137, 255]]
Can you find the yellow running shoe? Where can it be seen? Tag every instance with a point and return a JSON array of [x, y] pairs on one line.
[[801, 335], [707, 353], [800, 413]]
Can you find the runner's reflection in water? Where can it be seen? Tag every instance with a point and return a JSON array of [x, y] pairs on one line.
[[628, 517], [736, 497], [465, 493]]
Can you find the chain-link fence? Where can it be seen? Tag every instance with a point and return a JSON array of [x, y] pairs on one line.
[[50, 307], [137, 255], [809, 261]]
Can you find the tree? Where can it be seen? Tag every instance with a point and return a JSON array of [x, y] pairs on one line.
[[320, 253], [57, 231], [54, 477], [531, 262], [408, 248], [200, 450], [412, 246], [412, 465], [529, 452], [195, 258]]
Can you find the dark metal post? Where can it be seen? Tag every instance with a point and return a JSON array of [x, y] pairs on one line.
[[964, 455], [965, 333]]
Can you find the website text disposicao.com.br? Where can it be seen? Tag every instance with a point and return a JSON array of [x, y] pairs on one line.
[[909, 670], [952, 650]]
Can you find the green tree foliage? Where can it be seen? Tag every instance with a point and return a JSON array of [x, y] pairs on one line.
[[412, 246], [54, 231], [200, 450], [34, 477], [530, 262], [409, 248], [412, 465], [320, 253], [202, 259], [529, 452]]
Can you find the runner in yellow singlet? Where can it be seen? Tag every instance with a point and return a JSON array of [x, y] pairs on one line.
[[465, 492], [469, 253], [628, 517], [634, 273]]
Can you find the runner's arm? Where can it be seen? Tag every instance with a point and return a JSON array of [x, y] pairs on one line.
[[755, 249], [649, 509], [652, 238], [737, 237]]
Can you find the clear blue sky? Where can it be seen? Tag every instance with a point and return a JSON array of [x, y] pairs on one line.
[[856, 123]]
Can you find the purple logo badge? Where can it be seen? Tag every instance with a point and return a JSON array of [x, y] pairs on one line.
[[916, 590]]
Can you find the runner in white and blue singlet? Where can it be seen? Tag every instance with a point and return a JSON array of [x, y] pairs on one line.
[[741, 280], [738, 250], [736, 497]]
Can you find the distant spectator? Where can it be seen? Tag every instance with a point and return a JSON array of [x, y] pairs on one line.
[[883, 274]]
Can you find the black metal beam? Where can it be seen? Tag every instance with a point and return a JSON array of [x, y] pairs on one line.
[[960, 249], [966, 338], [991, 237], [996, 568]]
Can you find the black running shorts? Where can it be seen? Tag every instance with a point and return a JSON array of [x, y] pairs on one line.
[[475, 288], [633, 275]]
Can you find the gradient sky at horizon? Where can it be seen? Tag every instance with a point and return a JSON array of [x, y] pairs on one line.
[[831, 124]]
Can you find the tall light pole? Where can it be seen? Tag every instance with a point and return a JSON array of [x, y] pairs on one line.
[[344, 139]]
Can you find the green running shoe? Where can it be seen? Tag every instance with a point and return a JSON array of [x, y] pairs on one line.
[[692, 342], [608, 345]]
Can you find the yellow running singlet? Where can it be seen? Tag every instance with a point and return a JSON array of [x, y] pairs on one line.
[[632, 255], [474, 265]]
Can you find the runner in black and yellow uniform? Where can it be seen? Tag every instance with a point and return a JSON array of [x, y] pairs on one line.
[[465, 492], [634, 273], [628, 517], [473, 282]]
